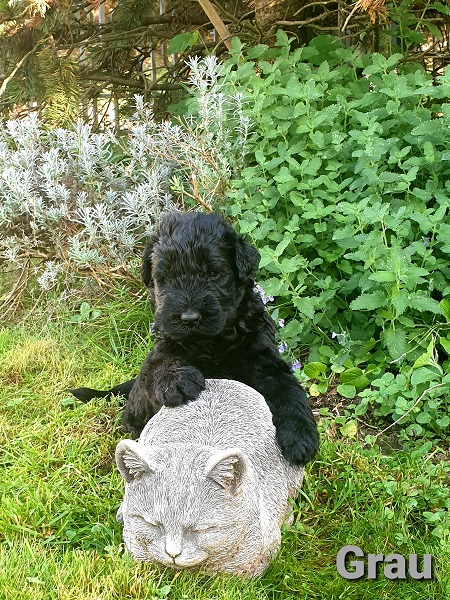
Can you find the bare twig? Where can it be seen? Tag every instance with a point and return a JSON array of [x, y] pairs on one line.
[[306, 21], [344, 26], [308, 5]]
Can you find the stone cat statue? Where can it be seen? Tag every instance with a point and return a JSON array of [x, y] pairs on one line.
[[206, 486]]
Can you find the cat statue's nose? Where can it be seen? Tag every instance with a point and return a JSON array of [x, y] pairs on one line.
[[174, 546]]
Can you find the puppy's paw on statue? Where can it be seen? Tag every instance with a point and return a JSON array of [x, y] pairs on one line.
[[179, 385], [298, 440]]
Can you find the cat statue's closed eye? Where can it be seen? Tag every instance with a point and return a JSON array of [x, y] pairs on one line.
[[206, 486]]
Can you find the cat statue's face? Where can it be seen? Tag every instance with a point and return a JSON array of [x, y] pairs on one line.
[[185, 506]]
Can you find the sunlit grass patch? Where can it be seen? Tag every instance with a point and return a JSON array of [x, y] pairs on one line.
[[60, 489]]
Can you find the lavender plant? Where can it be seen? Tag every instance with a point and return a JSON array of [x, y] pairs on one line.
[[80, 202]]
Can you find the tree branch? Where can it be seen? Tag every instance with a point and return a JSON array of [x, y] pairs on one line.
[[169, 19], [215, 19], [18, 65]]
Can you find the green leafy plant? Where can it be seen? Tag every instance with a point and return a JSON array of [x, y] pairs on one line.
[[345, 191], [85, 314]]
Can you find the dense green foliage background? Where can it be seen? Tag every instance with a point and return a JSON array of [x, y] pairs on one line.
[[345, 192]]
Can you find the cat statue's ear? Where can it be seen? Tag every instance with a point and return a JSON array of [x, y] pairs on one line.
[[227, 468], [131, 463]]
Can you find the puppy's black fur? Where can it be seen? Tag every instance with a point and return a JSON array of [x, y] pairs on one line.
[[210, 323]]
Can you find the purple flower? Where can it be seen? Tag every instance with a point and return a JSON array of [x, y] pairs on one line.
[[282, 347], [152, 327], [280, 322], [296, 365], [261, 291]]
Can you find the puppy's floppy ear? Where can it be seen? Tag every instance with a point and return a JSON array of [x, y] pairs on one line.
[[171, 220], [147, 266], [167, 225], [247, 259]]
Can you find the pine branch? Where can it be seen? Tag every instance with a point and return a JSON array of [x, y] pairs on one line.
[[18, 65]]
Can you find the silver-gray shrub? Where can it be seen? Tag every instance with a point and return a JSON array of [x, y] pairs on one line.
[[76, 201]]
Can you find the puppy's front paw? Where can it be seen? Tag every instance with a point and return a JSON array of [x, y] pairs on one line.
[[179, 385], [298, 440]]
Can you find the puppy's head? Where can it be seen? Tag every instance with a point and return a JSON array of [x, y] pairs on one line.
[[197, 270]]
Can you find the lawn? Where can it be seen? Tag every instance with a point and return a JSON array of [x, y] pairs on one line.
[[60, 488]]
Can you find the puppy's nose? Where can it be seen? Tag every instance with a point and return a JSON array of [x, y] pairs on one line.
[[190, 316]]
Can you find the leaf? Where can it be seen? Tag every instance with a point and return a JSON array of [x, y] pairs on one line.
[[69, 401], [164, 590], [369, 301], [281, 247], [433, 517], [422, 375], [346, 390], [442, 8], [445, 305], [282, 38], [425, 303], [283, 112], [182, 42], [423, 417], [314, 390], [444, 422], [14, 402], [305, 306], [393, 60], [291, 265], [445, 343], [256, 51], [395, 341], [434, 30], [85, 308], [400, 301], [423, 360], [361, 409], [428, 129], [383, 381], [314, 370], [383, 276], [355, 377], [267, 256], [327, 351], [424, 449], [370, 439]]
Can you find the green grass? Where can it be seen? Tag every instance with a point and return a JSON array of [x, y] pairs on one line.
[[60, 489]]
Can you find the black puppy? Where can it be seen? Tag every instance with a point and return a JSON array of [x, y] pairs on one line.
[[211, 323]]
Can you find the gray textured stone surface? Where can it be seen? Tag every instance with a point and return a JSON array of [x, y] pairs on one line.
[[206, 486]]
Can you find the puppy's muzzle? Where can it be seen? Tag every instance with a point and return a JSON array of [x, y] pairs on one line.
[[190, 317]]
